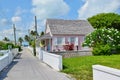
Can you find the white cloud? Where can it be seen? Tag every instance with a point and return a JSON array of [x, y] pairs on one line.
[[9, 33], [6, 33], [19, 11], [16, 19], [49, 8], [93, 7], [40, 24], [3, 21]]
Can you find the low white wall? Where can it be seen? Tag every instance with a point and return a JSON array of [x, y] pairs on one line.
[[7, 58], [4, 60], [53, 60], [14, 51], [30, 48], [105, 73], [37, 51]]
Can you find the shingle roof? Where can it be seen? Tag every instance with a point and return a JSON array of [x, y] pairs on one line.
[[45, 36], [59, 26]]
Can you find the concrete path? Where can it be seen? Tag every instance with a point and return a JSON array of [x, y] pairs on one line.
[[27, 67]]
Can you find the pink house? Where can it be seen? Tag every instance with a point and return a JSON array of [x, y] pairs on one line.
[[60, 32]]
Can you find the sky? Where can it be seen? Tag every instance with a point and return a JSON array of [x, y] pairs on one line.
[[22, 12]]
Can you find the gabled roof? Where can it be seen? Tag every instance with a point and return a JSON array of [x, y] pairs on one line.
[[59, 26], [45, 36]]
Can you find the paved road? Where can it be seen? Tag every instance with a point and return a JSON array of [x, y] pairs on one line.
[[27, 67]]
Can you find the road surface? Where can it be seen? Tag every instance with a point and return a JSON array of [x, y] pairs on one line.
[[28, 67]]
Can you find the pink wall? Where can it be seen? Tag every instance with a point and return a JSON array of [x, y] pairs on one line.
[[80, 41]]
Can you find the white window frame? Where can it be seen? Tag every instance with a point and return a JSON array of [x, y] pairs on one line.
[[75, 40], [56, 41]]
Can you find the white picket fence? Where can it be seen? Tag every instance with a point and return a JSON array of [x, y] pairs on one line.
[[7, 58], [53, 60], [105, 73]]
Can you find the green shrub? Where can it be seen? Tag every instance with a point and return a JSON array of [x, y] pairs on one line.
[[33, 44], [102, 50], [1, 54], [7, 44], [2, 44], [19, 47], [104, 39]]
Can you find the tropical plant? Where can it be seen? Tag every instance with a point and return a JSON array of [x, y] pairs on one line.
[[6, 39], [105, 20], [2, 44], [42, 33], [33, 33], [102, 37], [20, 40], [33, 42], [27, 38]]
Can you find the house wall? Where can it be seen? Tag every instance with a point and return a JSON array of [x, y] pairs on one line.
[[60, 47]]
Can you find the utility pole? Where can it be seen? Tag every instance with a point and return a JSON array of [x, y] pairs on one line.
[[14, 29], [34, 48], [36, 25], [29, 32]]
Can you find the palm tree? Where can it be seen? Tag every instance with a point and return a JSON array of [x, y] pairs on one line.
[[42, 33], [33, 34], [20, 40], [27, 38], [6, 39]]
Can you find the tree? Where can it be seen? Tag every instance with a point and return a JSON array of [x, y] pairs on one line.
[[6, 39], [34, 33], [42, 43], [20, 40], [27, 38], [106, 20], [103, 39], [42, 33]]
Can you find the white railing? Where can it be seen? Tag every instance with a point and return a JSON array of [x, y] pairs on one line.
[[7, 58], [53, 60], [105, 73]]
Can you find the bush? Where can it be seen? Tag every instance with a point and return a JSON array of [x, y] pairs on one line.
[[19, 47], [102, 50], [104, 39], [2, 44], [1, 54], [7, 44]]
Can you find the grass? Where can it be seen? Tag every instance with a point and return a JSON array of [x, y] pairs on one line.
[[1, 54], [81, 67]]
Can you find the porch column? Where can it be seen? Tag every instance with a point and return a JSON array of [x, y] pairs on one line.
[[50, 46], [45, 45]]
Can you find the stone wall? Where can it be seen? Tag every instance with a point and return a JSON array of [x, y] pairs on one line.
[[67, 54]]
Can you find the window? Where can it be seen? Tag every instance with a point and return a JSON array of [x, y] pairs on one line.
[[73, 40], [76, 40], [59, 41]]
